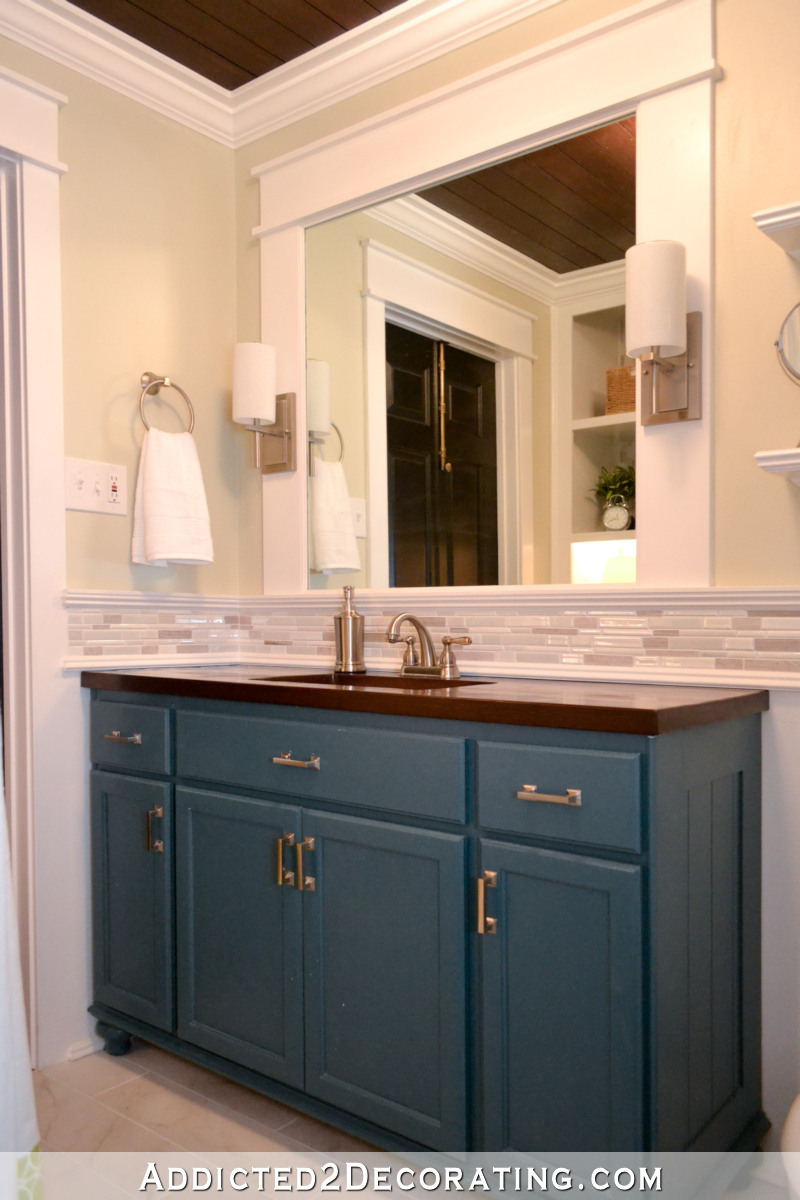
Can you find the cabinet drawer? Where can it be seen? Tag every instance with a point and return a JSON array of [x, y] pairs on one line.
[[610, 786], [398, 772], [135, 736]]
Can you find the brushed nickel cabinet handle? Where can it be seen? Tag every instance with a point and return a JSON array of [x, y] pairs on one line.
[[305, 883], [572, 797], [284, 877], [486, 924], [135, 739], [286, 760], [154, 845]]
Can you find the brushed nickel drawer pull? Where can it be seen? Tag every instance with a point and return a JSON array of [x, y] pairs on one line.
[[486, 924], [154, 845], [529, 792], [305, 883], [284, 877], [286, 760], [135, 739]]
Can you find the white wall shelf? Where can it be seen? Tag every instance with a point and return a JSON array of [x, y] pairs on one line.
[[600, 423], [782, 224], [781, 462], [606, 535]]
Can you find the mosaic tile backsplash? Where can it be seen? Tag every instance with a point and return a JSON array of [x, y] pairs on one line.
[[748, 634]]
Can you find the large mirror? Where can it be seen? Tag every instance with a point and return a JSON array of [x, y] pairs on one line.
[[472, 342]]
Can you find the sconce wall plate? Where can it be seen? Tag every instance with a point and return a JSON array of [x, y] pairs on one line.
[[277, 441], [672, 388]]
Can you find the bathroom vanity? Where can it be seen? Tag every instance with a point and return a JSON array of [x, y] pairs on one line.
[[500, 915]]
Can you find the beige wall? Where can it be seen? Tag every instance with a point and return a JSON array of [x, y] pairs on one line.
[[148, 282], [757, 406]]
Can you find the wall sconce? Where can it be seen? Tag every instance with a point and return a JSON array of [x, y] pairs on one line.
[[660, 333], [270, 417]]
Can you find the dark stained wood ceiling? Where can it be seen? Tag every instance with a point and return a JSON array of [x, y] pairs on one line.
[[234, 41], [568, 206]]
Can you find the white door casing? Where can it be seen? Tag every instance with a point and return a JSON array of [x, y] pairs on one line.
[[45, 727], [402, 290]]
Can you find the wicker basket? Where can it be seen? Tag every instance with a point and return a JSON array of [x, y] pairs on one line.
[[620, 390]]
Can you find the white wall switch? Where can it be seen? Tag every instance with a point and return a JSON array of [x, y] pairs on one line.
[[96, 487], [359, 509]]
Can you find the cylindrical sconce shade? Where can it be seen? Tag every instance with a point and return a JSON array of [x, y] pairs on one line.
[[655, 298], [318, 395], [253, 383]]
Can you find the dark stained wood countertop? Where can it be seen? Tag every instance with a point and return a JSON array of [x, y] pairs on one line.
[[640, 708]]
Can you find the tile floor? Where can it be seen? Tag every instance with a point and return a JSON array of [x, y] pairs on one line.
[[151, 1101]]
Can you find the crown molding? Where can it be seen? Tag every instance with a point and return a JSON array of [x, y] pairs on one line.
[[439, 230], [389, 45], [75, 39]]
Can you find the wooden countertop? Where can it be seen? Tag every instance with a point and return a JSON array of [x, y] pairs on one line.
[[556, 704]]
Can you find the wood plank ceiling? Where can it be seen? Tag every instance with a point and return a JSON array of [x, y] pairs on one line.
[[234, 41], [568, 206]]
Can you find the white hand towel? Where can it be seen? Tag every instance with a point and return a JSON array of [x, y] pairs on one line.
[[170, 512], [333, 539]]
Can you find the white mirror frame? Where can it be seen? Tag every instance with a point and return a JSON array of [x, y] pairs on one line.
[[655, 59]]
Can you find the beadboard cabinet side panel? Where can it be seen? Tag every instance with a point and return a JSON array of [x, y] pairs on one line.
[[704, 832]]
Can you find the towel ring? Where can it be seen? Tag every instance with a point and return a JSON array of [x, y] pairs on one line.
[[152, 383], [320, 441], [341, 441]]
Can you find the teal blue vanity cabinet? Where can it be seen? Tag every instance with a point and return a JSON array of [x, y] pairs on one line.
[[561, 1036], [352, 988], [132, 896], [433, 931]]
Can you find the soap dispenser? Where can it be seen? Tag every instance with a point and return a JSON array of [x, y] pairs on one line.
[[348, 630]]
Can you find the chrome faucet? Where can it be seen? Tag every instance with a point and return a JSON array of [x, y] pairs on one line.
[[426, 663]]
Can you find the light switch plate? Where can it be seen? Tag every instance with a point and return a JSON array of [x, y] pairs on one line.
[[96, 486]]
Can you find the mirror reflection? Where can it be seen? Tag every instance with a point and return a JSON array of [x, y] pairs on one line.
[[472, 342]]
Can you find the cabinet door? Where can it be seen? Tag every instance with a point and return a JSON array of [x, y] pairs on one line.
[[385, 990], [561, 982], [132, 896], [239, 954]]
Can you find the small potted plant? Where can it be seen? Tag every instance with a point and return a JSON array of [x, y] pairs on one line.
[[615, 492]]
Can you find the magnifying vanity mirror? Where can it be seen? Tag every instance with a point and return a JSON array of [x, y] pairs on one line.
[[469, 330], [788, 344]]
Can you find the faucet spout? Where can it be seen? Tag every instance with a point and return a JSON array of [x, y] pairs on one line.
[[393, 634]]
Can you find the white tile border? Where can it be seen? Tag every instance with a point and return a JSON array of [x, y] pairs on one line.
[[748, 636]]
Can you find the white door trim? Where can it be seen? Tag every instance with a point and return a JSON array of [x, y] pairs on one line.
[[43, 728], [399, 289]]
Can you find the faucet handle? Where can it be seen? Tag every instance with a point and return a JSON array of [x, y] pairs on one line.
[[410, 654], [449, 667]]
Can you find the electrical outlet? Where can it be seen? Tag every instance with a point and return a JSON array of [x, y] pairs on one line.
[[359, 510], [96, 487]]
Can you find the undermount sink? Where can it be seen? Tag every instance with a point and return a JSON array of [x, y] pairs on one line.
[[414, 682]]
